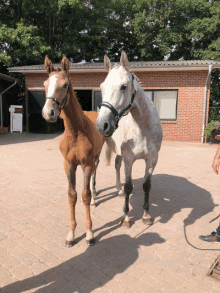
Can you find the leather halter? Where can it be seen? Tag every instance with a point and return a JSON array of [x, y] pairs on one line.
[[62, 105], [123, 112]]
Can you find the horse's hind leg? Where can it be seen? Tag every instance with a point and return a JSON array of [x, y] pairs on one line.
[[118, 161], [127, 189], [150, 164], [72, 197], [93, 184]]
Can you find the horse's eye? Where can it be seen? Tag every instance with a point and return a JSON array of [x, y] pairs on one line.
[[65, 85], [123, 87]]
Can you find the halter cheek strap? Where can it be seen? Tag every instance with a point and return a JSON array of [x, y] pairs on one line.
[[122, 113], [62, 104]]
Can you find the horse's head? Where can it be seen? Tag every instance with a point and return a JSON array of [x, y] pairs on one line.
[[118, 92], [57, 89]]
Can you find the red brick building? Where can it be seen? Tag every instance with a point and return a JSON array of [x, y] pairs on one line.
[[179, 89]]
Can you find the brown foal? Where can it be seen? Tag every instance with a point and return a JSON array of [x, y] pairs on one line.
[[80, 143]]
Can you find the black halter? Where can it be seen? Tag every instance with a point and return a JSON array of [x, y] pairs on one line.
[[62, 105], [123, 112]]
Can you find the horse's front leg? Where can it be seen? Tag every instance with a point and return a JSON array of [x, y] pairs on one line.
[[150, 164], [127, 189], [118, 161], [72, 197], [86, 197]]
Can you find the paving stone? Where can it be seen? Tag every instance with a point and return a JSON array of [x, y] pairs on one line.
[[2, 236], [14, 234], [39, 267], [165, 263], [215, 291], [7, 243], [28, 259], [35, 249], [4, 274], [41, 240], [70, 288], [17, 251], [21, 271], [8, 281], [169, 288], [5, 228], [170, 277], [205, 285], [24, 241], [9, 261], [47, 257], [152, 290]]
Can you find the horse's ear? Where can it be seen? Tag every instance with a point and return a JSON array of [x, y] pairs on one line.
[[65, 64], [48, 64], [124, 60], [107, 63]]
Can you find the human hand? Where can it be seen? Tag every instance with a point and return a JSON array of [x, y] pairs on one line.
[[215, 164]]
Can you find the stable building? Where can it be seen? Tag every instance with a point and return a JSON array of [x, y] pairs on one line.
[[179, 89]]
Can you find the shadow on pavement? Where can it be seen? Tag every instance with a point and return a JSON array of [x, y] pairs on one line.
[[169, 195], [93, 268], [14, 138]]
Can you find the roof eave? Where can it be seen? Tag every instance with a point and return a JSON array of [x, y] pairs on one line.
[[134, 68]]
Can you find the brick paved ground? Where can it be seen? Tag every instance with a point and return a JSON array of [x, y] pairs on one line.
[[35, 215]]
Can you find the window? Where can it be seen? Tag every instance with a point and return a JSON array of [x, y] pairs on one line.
[[165, 102], [97, 100]]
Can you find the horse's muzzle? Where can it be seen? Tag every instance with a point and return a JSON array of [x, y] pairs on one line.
[[104, 128], [49, 117]]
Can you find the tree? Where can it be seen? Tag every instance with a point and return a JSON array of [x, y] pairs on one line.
[[21, 45]]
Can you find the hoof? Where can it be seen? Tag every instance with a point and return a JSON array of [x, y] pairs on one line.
[[90, 242], [125, 224], [121, 193], [93, 204], [69, 243], [148, 221]]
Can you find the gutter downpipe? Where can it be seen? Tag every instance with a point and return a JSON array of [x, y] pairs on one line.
[[1, 99], [205, 103]]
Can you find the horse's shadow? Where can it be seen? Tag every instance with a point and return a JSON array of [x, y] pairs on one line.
[[92, 269], [111, 256], [168, 196]]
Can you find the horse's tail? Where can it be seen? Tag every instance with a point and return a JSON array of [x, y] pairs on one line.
[[108, 155]]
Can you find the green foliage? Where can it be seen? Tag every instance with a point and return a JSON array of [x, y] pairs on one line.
[[148, 30], [212, 125], [21, 45], [145, 29]]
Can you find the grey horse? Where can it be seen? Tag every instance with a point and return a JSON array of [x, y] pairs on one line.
[[132, 127]]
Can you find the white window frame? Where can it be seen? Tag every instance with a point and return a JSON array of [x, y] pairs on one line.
[[153, 100]]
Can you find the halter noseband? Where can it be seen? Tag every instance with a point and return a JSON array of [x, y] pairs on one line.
[[62, 105], [122, 113]]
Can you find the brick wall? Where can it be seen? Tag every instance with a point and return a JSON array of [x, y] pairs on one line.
[[191, 90]]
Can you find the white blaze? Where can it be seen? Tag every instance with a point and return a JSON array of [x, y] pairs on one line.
[[51, 87]]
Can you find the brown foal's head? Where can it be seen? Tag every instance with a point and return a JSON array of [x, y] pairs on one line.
[[56, 88]]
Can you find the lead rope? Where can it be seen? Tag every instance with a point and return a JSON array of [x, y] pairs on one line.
[[213, 249]]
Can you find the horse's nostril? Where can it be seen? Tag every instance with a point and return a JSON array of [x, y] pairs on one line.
[[52, 113], [105, 126]]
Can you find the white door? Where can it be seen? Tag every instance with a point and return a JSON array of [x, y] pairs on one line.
[[17, 122]]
